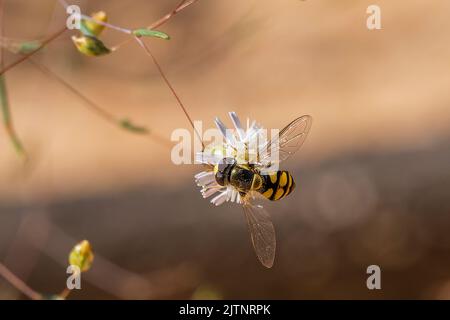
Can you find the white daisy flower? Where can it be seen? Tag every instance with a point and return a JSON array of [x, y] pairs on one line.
[[237, 144]]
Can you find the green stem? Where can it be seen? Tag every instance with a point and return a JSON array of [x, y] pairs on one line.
[[4, 102], [18, 283], [7, 120]]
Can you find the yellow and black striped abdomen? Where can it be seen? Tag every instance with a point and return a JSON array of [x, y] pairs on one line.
[[277, 185]]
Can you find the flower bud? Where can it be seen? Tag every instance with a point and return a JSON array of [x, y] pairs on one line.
[[82, 256], [91, 28], [90, 46]]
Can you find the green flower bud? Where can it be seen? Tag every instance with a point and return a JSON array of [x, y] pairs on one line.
[[82, 256], [91, 28], [90, 46]]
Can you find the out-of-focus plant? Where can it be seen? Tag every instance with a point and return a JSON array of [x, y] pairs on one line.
[[81, 256], [89, 44], [92, 27], [4, 101], [206, 292]]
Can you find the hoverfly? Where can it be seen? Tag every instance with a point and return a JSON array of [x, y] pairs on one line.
[[243, 182]]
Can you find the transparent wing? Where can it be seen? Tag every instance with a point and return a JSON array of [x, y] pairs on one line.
[[262, 233], [290, 139]]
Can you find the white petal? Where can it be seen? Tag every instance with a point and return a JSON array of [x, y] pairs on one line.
[[201, 174], [221, 127], [252, 133], [233, 195], [250, 126], [227, 134], [201, 157], [207, 158], [237, 125], [205, 179], [221, 198], [206, 193], [229, 194]]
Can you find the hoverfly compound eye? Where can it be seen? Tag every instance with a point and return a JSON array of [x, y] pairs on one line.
[[221, 166], [225, 163], [220, 178]]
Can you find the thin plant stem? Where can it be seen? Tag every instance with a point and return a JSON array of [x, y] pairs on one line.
[[166, 80], [8, 122], [4, 101], [183, 4], [65, 293], [108, 25], [180, 6], [18, 283], [91, 104], [28, 55]]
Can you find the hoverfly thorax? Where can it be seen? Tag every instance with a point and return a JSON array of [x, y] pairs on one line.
[[241, 177], [223, 169]]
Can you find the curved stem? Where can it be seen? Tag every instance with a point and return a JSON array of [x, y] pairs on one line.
[[181, 6], [25, 57], [92, 105], [4, 101], [65, 293], [166, 80], [18, 283]]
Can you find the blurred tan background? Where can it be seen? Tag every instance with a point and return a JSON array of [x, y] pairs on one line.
[[373, 177]]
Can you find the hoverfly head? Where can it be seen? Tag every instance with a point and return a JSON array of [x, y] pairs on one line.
[[223, 169]]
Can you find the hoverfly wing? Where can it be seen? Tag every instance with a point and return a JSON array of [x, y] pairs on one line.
[[290, 139], [262, 233]]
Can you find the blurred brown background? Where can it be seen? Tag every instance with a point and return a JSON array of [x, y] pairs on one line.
[[373, 177]]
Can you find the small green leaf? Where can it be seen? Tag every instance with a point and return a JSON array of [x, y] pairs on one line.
[[28, 46], [151, 33], [128, 125]]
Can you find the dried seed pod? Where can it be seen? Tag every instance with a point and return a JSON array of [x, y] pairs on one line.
[[90, 46], [91, 28], [82, 256]]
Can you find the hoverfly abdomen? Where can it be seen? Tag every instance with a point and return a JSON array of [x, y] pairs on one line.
[[242, 178], [277, 185]]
